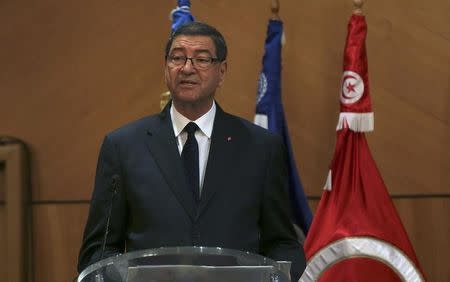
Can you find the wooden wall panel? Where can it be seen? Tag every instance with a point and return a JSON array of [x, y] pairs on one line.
[[426, 222], [410, 83], [3, 241], [79, 71], [16, 192], [57, 233], [410, 61], [2, 183], [73, 71], [58, 229], [3, 225], [428, 226]]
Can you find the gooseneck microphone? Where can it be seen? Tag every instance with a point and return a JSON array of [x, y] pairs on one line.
[[115, 186]]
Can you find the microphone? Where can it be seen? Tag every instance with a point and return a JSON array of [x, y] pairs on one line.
[[115, 186]]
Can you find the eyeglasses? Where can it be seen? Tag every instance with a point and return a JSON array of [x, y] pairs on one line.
[[198, 62]]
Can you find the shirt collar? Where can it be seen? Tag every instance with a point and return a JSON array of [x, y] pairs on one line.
[[205, 122]]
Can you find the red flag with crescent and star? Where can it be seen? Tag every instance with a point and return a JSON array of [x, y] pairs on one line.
[[356, 234]]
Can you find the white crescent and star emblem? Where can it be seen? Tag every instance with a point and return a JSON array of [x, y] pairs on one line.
[[352, 87]]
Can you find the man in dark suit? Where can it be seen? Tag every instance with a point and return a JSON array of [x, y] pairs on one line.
[[192, 175]]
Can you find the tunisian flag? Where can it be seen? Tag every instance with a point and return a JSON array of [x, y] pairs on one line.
[[356, 234]]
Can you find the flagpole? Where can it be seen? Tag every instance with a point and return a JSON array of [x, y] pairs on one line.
[[357, 7], [165, 98], [179, 16], [275, 9]]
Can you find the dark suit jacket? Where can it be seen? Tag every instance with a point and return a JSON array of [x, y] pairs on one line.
[[244, 203]]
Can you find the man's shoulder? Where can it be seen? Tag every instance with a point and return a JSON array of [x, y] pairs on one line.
[[132, 128], [250, 128]]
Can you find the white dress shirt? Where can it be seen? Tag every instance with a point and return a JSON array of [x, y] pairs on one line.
[[203, 136]]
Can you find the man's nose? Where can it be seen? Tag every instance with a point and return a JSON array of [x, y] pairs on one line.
[[188, 66]]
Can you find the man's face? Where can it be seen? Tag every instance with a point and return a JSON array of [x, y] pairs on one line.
[[187, 83]]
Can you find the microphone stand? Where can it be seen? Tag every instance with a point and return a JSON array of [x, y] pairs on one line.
[[115, 186]]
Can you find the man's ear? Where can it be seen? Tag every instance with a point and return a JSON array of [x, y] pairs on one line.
[[166, 72], [222, 70]]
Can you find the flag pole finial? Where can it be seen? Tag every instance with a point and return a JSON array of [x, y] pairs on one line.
[[357, 7], [275, 8], [165, 98]]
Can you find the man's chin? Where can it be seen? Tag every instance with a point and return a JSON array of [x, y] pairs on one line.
[[187, 97]]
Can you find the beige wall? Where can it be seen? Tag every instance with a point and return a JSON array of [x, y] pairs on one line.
[[72, 71]]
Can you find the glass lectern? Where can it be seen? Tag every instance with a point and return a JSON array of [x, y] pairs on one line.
[[187, 264]]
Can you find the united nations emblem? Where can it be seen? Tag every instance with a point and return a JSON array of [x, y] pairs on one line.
[[262, 87]]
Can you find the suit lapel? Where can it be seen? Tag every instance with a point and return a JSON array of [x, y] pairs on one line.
[[161, 142], [224, 143]]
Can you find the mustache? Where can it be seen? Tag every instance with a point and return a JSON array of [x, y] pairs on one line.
[[187, 79]]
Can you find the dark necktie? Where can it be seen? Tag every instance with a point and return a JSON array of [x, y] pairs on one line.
[[190, 159]]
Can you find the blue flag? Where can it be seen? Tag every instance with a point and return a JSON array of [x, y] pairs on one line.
[[270, 115], [181, 14]]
